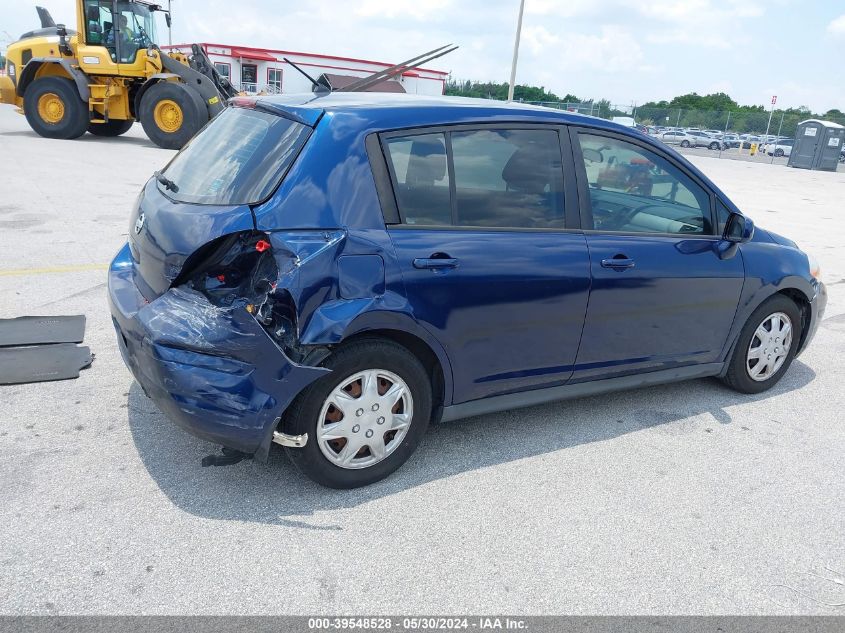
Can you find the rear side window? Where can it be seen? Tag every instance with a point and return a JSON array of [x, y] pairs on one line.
[[239, 158], [502, 178], [421, 178], [508, 178]]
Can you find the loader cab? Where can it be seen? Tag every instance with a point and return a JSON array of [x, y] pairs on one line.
[[117, 33]]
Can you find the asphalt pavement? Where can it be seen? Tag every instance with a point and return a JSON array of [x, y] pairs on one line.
[[679, 499]]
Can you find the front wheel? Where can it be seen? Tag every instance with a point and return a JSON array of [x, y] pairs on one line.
[[684, 143], [365, 419], [766, 346], [171, 114], [778, 152]]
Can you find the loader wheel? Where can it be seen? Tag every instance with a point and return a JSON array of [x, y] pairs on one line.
[[171, 114], [54, 110], [114, 127]]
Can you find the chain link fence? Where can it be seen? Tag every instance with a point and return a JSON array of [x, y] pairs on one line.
[[743, 121]]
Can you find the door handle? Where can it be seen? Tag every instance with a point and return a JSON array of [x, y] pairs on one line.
[[434, 263], [618, 263]]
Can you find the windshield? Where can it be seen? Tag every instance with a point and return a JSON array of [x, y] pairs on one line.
[[140, 22], [123, 32], [239, 158]]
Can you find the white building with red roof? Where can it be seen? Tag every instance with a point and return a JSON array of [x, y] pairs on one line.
[[263, 70]]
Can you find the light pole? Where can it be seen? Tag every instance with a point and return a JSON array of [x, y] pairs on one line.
[[769, 124], [516, 50]]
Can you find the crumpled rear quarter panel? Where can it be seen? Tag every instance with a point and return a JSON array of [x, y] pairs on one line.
[[213, 371]]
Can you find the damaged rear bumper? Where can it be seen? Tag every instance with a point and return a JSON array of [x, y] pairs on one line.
[[213, 371]]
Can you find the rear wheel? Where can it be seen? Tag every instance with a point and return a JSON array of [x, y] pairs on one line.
[[54, 110], [714, 146], [684, 143], [365, 419], [171, 114], [778, 152], [114, 127], [766, 346]]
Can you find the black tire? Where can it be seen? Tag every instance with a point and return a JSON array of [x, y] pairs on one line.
[[193, 114], [778, 152], [738, 377], [73, 121], [113, 127], [714, 146], [685, 143], [303, 414]]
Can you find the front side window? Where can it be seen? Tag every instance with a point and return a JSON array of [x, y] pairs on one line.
[[502, 178], [635, 190]]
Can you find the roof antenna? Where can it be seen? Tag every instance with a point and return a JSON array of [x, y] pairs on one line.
[[317, 86]]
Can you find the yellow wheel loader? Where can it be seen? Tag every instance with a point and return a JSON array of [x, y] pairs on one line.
[[109, 73]]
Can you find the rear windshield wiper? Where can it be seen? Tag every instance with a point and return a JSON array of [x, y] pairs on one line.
[[168, 184]]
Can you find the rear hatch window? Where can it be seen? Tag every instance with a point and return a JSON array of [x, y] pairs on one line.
[[239, 158]]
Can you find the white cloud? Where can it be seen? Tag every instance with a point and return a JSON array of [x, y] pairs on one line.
[[692, 38], [837, 26], [613, 49], [401, 8]]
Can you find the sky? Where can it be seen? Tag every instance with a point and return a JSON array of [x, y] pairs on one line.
[[623, 50]]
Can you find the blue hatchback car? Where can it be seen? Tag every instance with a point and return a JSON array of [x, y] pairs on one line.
[[333, 273]]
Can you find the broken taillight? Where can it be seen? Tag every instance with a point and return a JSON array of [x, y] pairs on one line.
[[235, 269]]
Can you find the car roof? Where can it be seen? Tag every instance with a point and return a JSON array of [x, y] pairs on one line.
[[408, 107]]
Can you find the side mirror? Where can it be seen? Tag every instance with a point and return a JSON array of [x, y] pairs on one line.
[[168, 19], [739, 229]]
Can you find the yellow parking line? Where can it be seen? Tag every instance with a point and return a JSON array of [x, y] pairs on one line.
[[52, 269]]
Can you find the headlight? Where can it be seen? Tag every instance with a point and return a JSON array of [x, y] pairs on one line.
[[10, 68], [815, 269]]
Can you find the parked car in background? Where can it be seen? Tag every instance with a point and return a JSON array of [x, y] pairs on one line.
[[333, 274], [702, 139], [783, 147], [678, 137], [731, 141]]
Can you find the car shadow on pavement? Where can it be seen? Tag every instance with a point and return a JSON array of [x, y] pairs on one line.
[[271, 492]]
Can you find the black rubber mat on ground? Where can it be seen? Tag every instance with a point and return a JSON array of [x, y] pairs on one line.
[[19, 365], [40, 330]]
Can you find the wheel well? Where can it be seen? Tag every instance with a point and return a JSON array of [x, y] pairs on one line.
[[800, 299], [423, 352]]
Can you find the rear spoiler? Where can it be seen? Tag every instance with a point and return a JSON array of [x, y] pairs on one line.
[[306, 116]]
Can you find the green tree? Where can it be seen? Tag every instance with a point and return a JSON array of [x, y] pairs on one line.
[[712, 111]]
